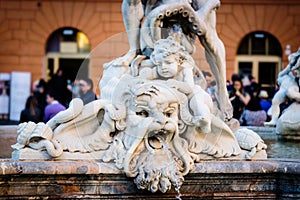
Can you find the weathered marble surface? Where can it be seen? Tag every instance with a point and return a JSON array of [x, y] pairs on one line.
[[153, 113], [154, 120], [287, 124], [8, 136], [268, 179]]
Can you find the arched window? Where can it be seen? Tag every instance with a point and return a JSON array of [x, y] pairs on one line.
[[259, 54], [67, 48], [68, 40], [259, 43]]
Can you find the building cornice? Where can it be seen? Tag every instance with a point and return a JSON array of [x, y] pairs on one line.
[[286, 2], [268, 2]]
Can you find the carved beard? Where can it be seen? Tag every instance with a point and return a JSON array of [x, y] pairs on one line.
[[149, 147], [160, 176]]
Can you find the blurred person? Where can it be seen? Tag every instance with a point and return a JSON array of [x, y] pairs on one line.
[[265, 103], [253, 115], [239, 98], [199, 77], [229, 84], [86, 91], [76, 89], [53, 107], [212, 90], [58, 86], [34, 85], [251, 78], [246, 81], [31, 112], [253, 87], [40, 95], [208, 78], [69, 92]]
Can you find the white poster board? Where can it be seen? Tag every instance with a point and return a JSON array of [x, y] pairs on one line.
[[19, 92], [4, 95]]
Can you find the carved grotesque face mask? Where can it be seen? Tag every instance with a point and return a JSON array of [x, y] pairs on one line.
[[159, 107]]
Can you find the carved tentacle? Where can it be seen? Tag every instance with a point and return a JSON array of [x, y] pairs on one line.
[[53, 148], [151, 29], [155, 29]]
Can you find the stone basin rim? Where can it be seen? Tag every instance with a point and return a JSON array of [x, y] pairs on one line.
[[19, 167]]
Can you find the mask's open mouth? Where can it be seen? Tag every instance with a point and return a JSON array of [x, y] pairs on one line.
[[157, 140]]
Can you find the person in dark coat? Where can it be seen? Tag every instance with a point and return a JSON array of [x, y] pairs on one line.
[[40, 95], [239, 98], [58, 87], [31, 111]]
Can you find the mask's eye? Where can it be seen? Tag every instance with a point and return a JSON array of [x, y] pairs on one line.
[[143, 113], [169, 113]]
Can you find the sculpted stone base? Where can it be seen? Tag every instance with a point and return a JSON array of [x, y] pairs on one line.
[[268, 179], [31, 154], [288, 125]]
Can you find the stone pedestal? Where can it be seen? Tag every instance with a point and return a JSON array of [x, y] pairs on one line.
[[268, 179]]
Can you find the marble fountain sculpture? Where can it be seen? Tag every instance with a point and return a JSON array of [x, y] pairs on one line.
[[288, 124], [153, 120]]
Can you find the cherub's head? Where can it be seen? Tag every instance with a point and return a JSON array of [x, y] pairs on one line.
[[168, 56]]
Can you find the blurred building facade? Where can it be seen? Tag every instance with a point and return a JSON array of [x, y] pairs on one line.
[[41, 36]]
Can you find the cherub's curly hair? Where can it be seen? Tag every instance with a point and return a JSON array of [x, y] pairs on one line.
[[170, 46]]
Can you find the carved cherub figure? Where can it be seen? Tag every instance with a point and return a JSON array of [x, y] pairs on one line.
[[171, 63], [288, 87], [197, 17]]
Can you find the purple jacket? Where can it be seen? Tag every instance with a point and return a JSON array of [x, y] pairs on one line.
[[52, 109]]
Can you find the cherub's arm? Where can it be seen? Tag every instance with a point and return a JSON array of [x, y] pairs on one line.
[[188, 77], [187, 73], [180, 86]]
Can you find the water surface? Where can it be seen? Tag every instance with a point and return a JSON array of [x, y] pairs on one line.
[[283, 148]]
